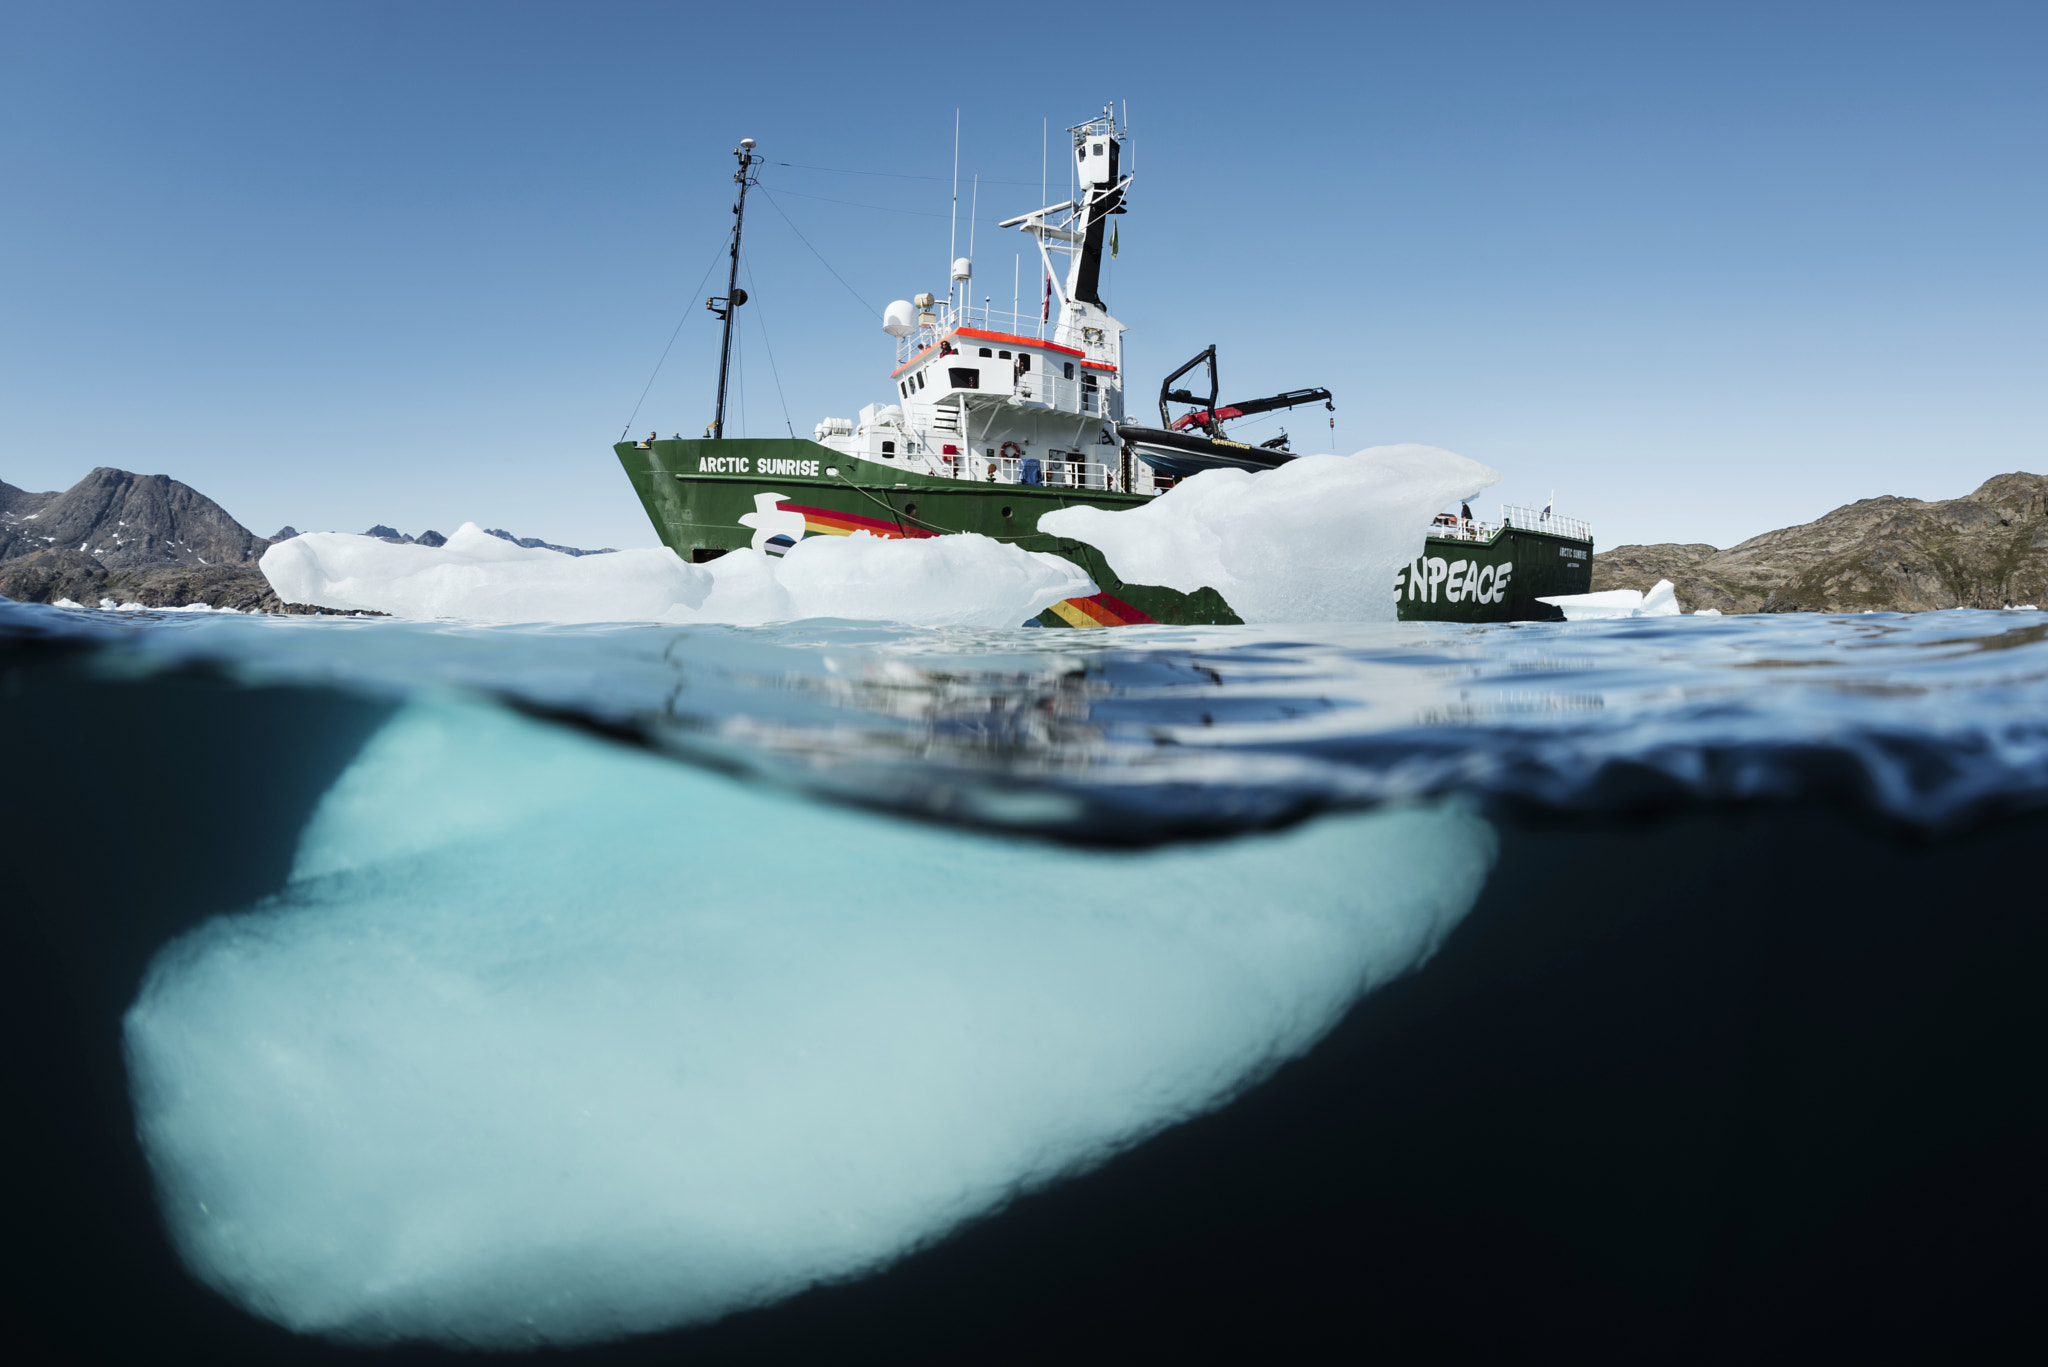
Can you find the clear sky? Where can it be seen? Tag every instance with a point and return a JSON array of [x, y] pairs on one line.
[[1702, 269]]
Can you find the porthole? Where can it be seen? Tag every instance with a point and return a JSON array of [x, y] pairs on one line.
[[1006, 511], [910, 510]]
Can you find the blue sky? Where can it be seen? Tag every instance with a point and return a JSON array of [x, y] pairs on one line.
[[1704, 270]]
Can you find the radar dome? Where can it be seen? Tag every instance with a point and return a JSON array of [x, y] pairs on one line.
[[963, 269], [899, 319]]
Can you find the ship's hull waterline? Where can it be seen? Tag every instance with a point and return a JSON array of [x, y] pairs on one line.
[[697, 494]]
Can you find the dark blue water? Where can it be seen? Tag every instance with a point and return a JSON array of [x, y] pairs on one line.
[[1665, 987]]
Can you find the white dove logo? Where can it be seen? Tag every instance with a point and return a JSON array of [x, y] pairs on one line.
[[775, 531]]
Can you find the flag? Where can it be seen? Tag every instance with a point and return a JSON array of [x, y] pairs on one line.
[[1045, 313], [1112, 239], [1546, 505]]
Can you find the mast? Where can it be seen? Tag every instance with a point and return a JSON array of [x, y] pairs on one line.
[[734, 296]]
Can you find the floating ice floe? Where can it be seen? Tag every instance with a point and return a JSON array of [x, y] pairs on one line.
[[1661, 601], [963, 580], [1319, 539]]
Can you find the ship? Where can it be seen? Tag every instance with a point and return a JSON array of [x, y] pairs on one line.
[[1001, 417]]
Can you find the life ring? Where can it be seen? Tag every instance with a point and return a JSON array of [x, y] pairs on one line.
[[1012, 451]]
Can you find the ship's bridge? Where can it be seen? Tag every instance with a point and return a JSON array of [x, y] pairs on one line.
[[979, 367]]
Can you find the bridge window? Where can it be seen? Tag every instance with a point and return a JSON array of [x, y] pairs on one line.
[[1002, 355], [965, 377], [984, 351], [920, 379], [1070, 370], [888, 448]]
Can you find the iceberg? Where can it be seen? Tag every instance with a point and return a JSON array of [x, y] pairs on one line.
[[1318, 539], [549, 1040], [1660, 601], [960, 580]]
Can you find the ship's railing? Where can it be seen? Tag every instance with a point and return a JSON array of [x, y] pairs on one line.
[[1064, 395], [1462, 529], [1017, 324], [1056, 470], [1076, 474], [1542, 520]]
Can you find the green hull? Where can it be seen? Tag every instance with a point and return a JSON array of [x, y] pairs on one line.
[[697, 492], [1497, 580]]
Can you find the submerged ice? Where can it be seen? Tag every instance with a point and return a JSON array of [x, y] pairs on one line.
[[960, 581], [550, 1040]]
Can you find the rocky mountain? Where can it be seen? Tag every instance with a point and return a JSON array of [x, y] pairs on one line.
[[126, 521], [1987, 549]]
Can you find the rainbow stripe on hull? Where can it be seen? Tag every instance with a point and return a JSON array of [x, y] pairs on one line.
[[831, 522], [1101, 610]]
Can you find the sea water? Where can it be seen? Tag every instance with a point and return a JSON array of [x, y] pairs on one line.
[[1668, 984]]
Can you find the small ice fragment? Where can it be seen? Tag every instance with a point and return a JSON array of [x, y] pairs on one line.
[[1661, 601]]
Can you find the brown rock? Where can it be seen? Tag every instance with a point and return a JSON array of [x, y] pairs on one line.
[[1988, 549], [46, 576]]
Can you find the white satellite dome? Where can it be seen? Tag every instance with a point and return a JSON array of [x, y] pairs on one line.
[[899, 319], [963, 269]]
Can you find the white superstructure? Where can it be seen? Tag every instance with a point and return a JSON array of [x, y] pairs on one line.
[[1017, 396]]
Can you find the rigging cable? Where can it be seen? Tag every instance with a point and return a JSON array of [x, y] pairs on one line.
[[853, 204], [877, 208], [671, 345], [754, 298], [891, 175], [872, 310]]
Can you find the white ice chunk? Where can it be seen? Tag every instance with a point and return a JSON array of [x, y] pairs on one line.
[[958, 580], [941, 581], [1660, 601], [1707, 612], [551, 1041], [1318, 539], [67, 603]]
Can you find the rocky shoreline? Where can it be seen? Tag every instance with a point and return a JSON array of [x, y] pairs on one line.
[[53, 576], [1987, 549]]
